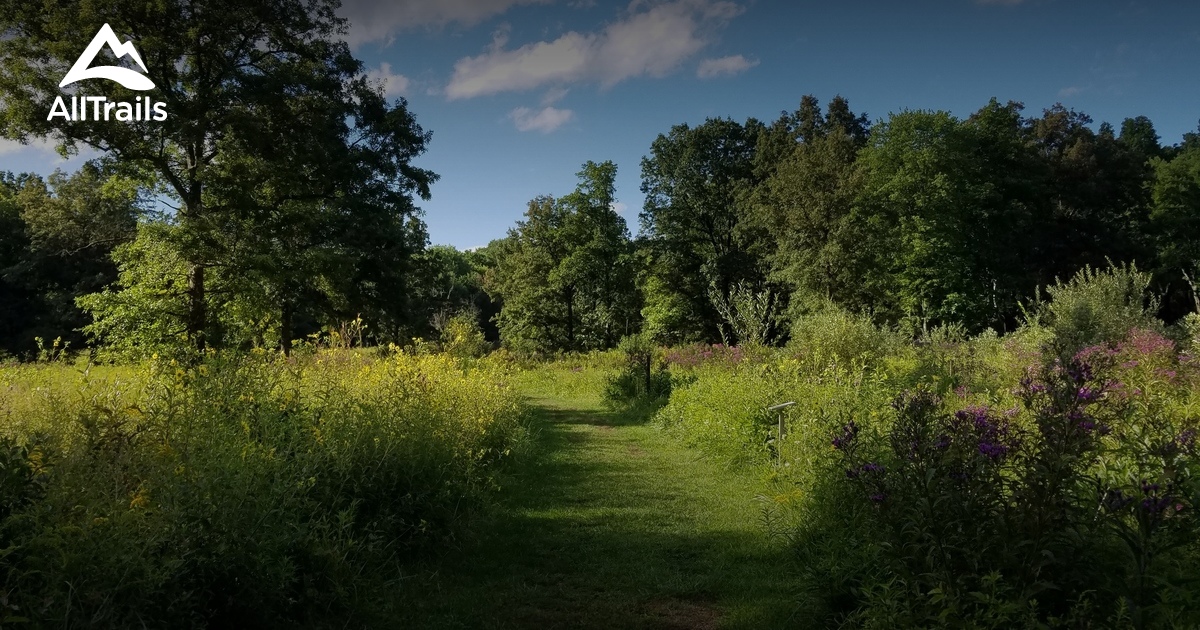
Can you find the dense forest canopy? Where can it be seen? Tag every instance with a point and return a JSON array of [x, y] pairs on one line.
[[291, 186]]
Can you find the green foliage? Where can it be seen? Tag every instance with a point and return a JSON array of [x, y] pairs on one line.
[[694, 226], [566, 273], [978, 504], [241, 490], [750, 315], [1098, 306], [834, 335], [291, 172], [639, 386], [462, 337], [57, 237], [1176, 217]]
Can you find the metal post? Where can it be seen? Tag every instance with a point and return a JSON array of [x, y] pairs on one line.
[[781, 431]]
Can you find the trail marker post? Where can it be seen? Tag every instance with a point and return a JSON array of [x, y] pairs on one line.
[[782, 430]]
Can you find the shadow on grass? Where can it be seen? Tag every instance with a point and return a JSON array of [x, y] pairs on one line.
[[599, 529]]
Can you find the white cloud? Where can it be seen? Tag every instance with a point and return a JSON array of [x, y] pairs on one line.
[[554, 95], [1070, 91], [544, 120], [725, 66], [1006, 3], [619, 207], [379, 21], [650, 42], [43, 146], [393, 84]]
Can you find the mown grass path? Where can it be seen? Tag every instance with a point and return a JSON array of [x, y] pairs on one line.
[[611, 525]]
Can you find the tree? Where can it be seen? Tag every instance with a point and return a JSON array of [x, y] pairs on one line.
[[1176, 217], [694, 218], [806, 206], [264, 84], [947, 212], [1097, 191], [566, 273], [58, 234]]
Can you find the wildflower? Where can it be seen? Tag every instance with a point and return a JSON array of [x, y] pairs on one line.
[[1187, 441], [992, 450], [1087, 394], [1029, 387], [847, 437], [1080, 372], [871, 468], [878, 497]]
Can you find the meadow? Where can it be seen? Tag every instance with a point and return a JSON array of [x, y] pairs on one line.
[[238, 489], [1044, 478]]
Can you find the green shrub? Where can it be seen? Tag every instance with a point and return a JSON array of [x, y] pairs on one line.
[[833, 334], [463, 338], [1098, 306]]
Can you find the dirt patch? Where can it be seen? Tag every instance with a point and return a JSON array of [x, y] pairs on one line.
[[681, 614], [635, 451], [603, 428]]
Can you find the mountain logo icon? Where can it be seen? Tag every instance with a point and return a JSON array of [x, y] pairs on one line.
[[126, 77]]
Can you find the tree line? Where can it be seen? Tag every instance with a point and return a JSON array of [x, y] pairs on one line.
[[919, 220], [280, 200]]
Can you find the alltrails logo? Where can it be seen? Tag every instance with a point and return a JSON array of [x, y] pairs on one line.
[[101, 108]]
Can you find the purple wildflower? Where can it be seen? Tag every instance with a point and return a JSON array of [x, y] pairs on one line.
[[992, 451], [847, 437], [871, 468], [1187, 441]]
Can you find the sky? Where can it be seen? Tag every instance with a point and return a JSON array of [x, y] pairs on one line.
[[520, 93]]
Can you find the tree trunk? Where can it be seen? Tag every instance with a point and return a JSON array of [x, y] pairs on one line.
[[285, 329], [197, 309]]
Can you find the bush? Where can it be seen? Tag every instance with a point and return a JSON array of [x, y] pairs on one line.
[[1072, 505], [1098, 306], [245, 490], [463, 338], [833, 334], [973, 482], [640, 387]]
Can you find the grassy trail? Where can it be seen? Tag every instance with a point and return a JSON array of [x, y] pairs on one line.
[[611, 525]]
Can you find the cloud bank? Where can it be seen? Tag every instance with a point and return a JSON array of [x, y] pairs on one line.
[[650, 40], [392, 84]]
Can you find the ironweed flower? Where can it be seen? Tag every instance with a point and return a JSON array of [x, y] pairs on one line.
[[847, 437], [1187, 441]]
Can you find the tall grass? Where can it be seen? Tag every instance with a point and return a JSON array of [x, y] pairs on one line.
[[243, 490]]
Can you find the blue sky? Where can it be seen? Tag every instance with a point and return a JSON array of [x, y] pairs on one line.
[[519, 93]]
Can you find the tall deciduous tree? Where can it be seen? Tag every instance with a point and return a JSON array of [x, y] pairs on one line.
[[694, 221], [265, 84], [566, 273]]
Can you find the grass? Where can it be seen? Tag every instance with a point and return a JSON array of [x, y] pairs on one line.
[[611, 524]]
